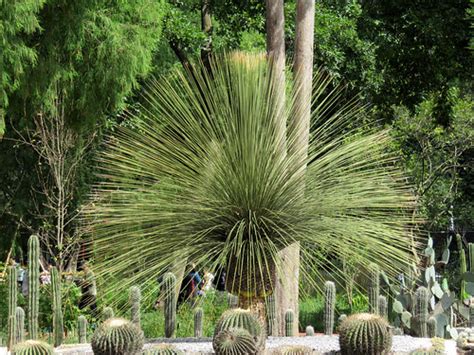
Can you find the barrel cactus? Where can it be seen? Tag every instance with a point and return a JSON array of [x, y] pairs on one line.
[[364, 334], [240, 318], [198, 317], [169, 290], [117, 336], [33, 347], [234, 341], [329, 307], [33, 285], [163, 349], [293, 350]]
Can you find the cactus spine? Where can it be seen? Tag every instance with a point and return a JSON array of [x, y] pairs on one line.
[[421, 311], [462, 266], [135, 298], [33, 285], [169, 287], [82, 329], [271, 315], [374, 288], [107, 313], [58, 324], [329, 306], [309, 331], [432, 324], [383, 308], [289, 319], [12, 301], [20, 325], [198, 315]]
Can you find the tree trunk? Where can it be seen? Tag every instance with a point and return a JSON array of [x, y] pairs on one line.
[[206, 26]]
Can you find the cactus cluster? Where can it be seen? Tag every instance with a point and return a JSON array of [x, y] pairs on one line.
[[20, 325], [198, 321], [293, 350], [289, 320], [169, 289], [271, 315], [364, 334], [329, 307], [33, 347], [240, 318], [374, 288], [58, 323], [12, 302], [420, 311], [33, 285], [82, 329], [234, 341], [135, 299], [117, 336], [163, 349]]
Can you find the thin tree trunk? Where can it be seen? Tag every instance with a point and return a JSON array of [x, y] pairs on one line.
[[206, 26]]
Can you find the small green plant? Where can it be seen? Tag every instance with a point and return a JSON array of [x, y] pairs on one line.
[[117, 336], [234, 341]]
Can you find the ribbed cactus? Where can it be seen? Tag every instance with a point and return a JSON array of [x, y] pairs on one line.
[[169, 287], [82, 329], [163, 349], [383, 307], [420, 311], [240, 318], [117, 336], [271, 315], [329, 307], [289, 319], [234, 341], [33, 347], [33, 285], [232, 300], [293, 350], [198, 320], [58, 323], [20, 325], [374, 288], [432, 325], [471, 256], [107, 313], [309, 331], [135, 299], [12, 301], [364, 334], [462, 266]]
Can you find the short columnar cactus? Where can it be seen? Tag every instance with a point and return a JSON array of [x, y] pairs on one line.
[[33, 285], [329, 307], [240, 318], [33, 347], [289, 319], [58, 323], [309, 331], [198, 318], [364, 334], [135, 299], [374, 287], [107, 313], [234, 341], [20, 325], [232, 300], [12, 301], [271, 315], [169, 289], [421, 311], [82, 329], [383, 308], [163, 349], [432, 324], [462, 266], [117, 336], [293, 350]]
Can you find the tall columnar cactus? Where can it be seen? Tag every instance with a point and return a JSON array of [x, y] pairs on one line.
[[289, 319], [329, 307], [169, 287], [117, 336], [198, 320], [471, 256], [421, 311], [12, 301], [462, 266], [374, 287], [432, 325], [33, 285], [271, 315], [364, 334], [58, 323], [234, 341], [107, 313], [33, 347], [241, 318], [135, 299], [82, 329], [20, 325], [383, 308]]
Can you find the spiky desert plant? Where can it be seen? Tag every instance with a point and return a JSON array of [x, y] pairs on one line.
[[309, 331], [234, 341], [107, 313], [58, 322], [289, 319], [329, 307], [432, 325], [19, 325], [420, 311], [117, 336], [364, 334], [135, 299], [240, 318], [82, 329], [293, 350], [383, 306], [204, 177], [198, 321], [270, 310], [163, 349], [33, 285], [12, 302], [169, 286], [374, 288], [33, 347]]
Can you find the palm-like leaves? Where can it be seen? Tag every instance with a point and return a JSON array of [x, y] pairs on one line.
[[205, 177]]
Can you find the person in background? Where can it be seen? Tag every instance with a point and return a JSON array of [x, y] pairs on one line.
[[45, 276], [208, 279]]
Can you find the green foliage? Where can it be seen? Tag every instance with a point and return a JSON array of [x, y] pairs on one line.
[[329, 307], [234, 341], [33, 285], [33, 347], [117, 336]]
